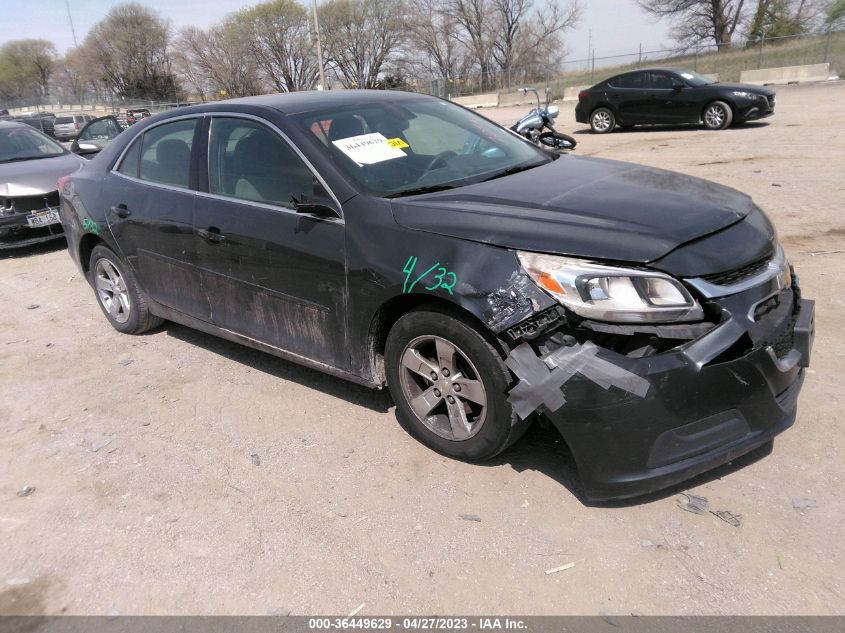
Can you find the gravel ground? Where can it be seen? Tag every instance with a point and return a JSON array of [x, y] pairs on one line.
[[175, 473]]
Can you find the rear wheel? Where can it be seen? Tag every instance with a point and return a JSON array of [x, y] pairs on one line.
[[118, 293], [602, 121], [449, 385], [717, 115]]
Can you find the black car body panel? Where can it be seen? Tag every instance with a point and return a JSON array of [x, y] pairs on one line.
[[683, 105], [324, 290]]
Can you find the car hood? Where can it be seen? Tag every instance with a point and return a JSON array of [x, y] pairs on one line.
[[762, 90], [33, 177], [583, 207]]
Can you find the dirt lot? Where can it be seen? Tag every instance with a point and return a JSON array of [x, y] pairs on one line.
[[177, 473]]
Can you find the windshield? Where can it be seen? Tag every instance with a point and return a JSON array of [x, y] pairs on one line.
[[695, 79], [25, 143], [416, 145]]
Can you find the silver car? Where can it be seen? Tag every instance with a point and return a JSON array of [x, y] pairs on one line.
[[67, 127], [31, 164]]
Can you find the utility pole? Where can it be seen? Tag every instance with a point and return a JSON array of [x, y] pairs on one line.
[[319, 47], [70, 19]]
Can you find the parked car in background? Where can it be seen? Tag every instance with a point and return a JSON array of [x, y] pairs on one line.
[[30, 166], [670, 96], [133, 116], [40, 121], [395, 238], [67, 126]]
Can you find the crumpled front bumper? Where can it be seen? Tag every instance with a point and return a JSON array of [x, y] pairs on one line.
[[707, 402], [15, 232]]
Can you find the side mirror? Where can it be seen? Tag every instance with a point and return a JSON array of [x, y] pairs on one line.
[[83, 149], [316, 209]]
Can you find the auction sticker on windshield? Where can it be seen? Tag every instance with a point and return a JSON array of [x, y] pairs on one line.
[[367, 149], [43, 219]]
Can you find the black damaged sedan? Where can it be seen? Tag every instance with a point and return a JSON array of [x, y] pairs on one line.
[[391, 238], [671, 96]]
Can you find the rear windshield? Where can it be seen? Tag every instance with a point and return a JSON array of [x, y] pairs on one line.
[[64, 119]]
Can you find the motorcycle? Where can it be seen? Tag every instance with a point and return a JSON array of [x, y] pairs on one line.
[[537, 126]]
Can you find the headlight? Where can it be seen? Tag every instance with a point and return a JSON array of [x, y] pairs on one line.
[[608, 293], [744, 95]]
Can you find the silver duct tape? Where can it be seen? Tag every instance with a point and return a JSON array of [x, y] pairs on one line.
[[541, 380]]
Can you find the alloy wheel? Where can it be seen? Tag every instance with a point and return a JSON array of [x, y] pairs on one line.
[[715, 116], [111, 290], [601, 121], [443, 388]]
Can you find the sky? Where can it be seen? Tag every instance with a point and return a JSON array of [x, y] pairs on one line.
[[613, 27]]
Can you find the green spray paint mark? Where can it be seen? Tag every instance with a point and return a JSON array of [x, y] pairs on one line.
[[89, 226], [443, 278]]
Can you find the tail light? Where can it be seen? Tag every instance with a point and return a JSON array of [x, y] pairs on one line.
[[582, 95], [76, 125]]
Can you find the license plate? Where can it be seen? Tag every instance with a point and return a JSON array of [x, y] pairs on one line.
[[44, 218]]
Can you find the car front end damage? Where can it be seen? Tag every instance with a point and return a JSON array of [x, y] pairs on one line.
[[643, 406], [29, 219]]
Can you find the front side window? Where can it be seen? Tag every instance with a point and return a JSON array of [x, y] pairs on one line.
[[166, 153], [252, 162], [662, 81], [411, 145], [100, 133]]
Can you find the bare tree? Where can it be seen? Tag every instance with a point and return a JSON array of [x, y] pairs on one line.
[[280, 40], [472, 16], [128, 50], [360, 38], [699, 21], [434, 46], [217, 62], [71, 76]]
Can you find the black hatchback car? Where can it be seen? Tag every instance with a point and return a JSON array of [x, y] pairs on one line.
[[393, 238], [670, 96]]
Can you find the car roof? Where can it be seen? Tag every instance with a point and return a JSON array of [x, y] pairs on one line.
[[304, 101], [7, 123]]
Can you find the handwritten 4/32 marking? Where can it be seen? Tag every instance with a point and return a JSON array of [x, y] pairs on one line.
[[443, 278]]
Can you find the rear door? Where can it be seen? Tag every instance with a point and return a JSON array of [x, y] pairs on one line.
[[629, 94], [149, 199], [270, 273]]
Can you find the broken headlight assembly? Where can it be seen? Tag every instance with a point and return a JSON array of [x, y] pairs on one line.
[[610, 293]]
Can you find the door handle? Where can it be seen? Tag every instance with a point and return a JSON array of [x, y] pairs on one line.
[[211, 234], [121, 211]]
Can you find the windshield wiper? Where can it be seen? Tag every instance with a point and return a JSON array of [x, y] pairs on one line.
[[420, 190], [22, 158], [513, 170]]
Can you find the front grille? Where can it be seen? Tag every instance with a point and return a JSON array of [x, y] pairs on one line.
[[735, 276], [28, 204]]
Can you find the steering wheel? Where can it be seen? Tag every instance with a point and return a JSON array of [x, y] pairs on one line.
[[441, 157]]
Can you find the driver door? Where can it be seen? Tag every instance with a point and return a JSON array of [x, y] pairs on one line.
[[96, 135]]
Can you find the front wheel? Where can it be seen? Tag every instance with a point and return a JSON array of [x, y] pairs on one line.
[[717, 115], [449, 385], [602, 121]]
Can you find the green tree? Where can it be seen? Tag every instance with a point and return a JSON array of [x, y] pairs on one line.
[[26, 67], [128, 51]]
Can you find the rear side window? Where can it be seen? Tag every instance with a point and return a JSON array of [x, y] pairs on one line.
[[636, 80], [129, 164], [166, 153]]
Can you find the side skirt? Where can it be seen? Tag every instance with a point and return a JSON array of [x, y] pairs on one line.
[[170, 314]]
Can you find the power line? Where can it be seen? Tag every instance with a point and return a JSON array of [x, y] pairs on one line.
[[70, 19]]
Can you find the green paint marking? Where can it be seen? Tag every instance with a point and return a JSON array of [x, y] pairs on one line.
[[90, 226], [443, 279]]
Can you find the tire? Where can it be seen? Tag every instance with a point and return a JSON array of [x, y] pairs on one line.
[[475, 431], [717, 115], [602, 121], [118, 293], [553, 140]]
